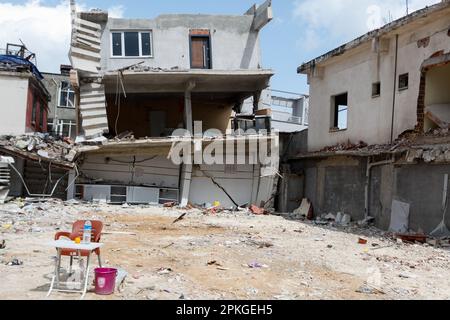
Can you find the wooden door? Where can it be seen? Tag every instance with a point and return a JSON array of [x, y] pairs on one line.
[[200, 53]]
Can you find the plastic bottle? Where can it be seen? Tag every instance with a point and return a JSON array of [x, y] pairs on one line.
[[87, 231]]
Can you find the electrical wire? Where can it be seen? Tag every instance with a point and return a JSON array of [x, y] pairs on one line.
[[128, 162]]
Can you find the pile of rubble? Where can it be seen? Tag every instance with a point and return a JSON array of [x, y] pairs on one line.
[[345, 147], [42, 145], [429, 154], [439, 132]]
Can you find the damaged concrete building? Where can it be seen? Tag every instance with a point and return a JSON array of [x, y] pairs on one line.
[[378, 125], [289, 111], [23, 91], [27, 167], [137, 81]]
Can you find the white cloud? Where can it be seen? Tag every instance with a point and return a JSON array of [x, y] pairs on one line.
[[116, 11], [44, 29], [326, 23]]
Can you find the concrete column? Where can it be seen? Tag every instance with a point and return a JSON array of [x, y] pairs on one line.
[[185, 184], [256, 98], [188, 107], [256, 180], [71, 188]]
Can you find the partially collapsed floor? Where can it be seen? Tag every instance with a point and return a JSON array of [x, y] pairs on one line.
[[223, 256]]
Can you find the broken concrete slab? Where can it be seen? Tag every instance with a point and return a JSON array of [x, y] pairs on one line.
[[439, 114], [305, 209]]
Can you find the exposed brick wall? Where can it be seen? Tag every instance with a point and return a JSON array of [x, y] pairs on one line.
[[421, 103], [199, 32]]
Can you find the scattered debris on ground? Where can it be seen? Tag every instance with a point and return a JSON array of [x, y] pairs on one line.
[[212, 256]]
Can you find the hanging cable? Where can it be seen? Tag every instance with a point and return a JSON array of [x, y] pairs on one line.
[[119, 85]]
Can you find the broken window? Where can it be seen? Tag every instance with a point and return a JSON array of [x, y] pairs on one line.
[[339, 112], [66, 95], [376, 89], [132, 44], [63, 128], [403, 81]]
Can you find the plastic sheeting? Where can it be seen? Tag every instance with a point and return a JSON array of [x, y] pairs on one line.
[[18, 61], [399, 217]]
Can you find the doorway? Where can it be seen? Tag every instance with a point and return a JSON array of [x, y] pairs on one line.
[[201, 52]]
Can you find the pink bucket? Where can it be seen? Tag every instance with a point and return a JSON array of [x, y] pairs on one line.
[[105, 280]]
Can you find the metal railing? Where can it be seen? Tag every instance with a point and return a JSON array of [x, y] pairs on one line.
[[286, 117]]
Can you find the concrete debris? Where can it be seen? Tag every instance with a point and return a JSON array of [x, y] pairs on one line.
[[343, 219], [163, 271], [305, 210], [346, 146], [257, 210], [439, 114], [213, 248], [15, 262], [42, 145], [214, 263], [433, 146], [3, 244], [330, 217], [412, 238], [169, 204], [366, 289], [366, 222], [120, 280], [257, 265]]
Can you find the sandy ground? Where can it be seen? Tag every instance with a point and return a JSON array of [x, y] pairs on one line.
[[290, 259]]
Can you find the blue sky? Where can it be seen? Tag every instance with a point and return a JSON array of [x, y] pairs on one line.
[[301, 30]]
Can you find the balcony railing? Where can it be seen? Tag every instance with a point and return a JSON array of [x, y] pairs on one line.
[[286, 117]]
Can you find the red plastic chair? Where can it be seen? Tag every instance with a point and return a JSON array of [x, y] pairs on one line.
[[77, 232]]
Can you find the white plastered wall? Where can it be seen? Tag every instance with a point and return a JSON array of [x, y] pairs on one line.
[[13, 104], [369, 119]]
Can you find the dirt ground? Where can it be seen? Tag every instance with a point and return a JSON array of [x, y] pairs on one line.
[[223, 256]]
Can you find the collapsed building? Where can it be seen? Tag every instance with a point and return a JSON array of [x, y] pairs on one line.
[[33, 162], [138, 81], [378, 143]]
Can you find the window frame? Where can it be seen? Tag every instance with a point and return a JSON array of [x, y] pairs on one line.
[[334, 116], [378, 86], [407, 77], [68, 91], [208, 57], [122, 33], [58, 128]]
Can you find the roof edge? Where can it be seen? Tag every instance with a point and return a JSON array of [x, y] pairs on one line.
[[302, 69]]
